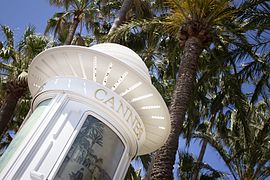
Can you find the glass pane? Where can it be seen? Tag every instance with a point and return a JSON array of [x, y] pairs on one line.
[[95, 153], [21, 135]]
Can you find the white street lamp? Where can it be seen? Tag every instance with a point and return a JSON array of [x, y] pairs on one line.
[[93, 110]]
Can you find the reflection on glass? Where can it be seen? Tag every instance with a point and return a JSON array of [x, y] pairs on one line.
[[94, 155], [22, 134]]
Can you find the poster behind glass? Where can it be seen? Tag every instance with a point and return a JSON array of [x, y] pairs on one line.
[[94, 155]]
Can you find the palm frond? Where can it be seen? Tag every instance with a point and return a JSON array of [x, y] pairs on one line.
[[219, 148], [133, 27], [207, 12], [259, 87], [8, 36], [57, 23], [61, 3], [187, 164]]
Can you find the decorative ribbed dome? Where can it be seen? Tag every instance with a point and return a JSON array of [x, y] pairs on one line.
[[125, 55]]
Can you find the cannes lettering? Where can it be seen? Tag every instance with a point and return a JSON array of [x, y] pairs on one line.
[[122, 108]]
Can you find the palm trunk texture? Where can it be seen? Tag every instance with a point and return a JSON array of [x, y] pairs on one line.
[[165, 158], [122, 15], [71, 31], [7, 110]]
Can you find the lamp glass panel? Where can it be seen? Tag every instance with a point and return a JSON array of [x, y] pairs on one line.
[[27, 128], [94, 154]]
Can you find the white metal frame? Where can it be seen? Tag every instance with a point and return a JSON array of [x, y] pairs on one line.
[[31, 140], [102, 113], [123, 161]]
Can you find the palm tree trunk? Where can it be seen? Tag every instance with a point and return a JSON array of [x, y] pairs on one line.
[[7, 110], [122, 15], [72, 30], [203, 148], [199, 160], [248, 174], [150, 167], [165, 159]]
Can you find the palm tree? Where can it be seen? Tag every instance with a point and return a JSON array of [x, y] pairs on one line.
[[187, 164], [254, 16], [126, 6], [207, 126], [242, 137], [135, 174], [138, 8], [59, 25], [202, 22], [144, 25], [14, 65], [230, 87], [77, 12], [196, 22]]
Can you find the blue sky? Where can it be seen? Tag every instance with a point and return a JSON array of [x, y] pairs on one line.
[[17, 14]]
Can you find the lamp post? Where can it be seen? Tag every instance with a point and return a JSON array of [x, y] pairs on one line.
[[93, 110]]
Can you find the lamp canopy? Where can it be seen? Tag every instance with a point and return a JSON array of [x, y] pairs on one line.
[[116, 68]]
